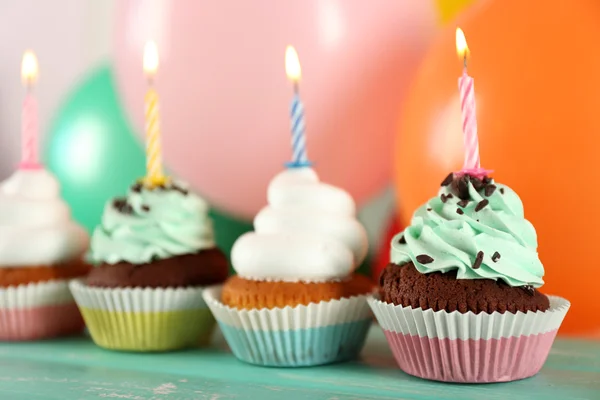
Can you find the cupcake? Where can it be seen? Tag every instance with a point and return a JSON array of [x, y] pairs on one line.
[[296, 300], [41, 248], [459, 301], [153, 253]]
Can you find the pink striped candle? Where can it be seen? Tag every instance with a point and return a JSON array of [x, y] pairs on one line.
[[469, 121], [29, 132], [29, 114], [472, 164]]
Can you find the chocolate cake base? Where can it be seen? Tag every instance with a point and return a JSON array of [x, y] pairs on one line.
[[404, 285], [197, 269]]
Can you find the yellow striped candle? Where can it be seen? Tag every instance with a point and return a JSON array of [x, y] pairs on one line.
[[154, 170]]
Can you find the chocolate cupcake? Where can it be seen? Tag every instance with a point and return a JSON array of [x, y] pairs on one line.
[[153, 253], [466, 272]]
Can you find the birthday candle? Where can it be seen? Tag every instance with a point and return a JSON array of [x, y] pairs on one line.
[[293, 71], [467, 105], [29, 113], [154, 169]]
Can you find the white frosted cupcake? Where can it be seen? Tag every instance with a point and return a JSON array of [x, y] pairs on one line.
[[41, 248], [296, 300]]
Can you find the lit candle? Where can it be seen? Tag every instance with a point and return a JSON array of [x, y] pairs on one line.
[[29, 114], [471, 165], [154, 169], [294, 72]]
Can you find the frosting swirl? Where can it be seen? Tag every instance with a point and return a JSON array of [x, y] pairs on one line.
[[35, 223], [308, 232], [486, 236], [148, 224]]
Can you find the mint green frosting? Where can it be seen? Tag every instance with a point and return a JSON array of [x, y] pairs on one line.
[[454, 240], [160, 224]]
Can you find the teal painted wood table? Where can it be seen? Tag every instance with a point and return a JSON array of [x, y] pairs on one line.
[[75, 368]]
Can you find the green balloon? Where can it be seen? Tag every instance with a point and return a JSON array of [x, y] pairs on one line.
[[227, 230], [91, 148]]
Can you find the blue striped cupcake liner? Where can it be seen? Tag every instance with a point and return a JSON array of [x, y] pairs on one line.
[[320, 333]]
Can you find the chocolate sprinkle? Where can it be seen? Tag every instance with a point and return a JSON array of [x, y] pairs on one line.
[[137, 187], [428, 208], [463, 203], [477, 183], [529, 289], [443, 197], [402, 240], [478, 260], [502, 190], [487, 180], [450, 196], [496, 257], [121, 205], [460, 211], [180, 190], [461, 187], [448, 179], [481, 205], [489, 190], [424, 259], [145, 207], [119, 202]]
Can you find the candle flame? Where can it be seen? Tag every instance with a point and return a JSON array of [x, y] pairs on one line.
[[462, 49], [292, 64], [150, 58], [29, 68]]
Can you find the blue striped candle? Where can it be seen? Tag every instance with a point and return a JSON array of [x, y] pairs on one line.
[[299, 157], [293, 71]]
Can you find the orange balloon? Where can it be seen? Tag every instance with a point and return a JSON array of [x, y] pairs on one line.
[[536, 66]]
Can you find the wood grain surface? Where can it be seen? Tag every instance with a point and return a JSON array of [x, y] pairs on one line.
[[75, 368]]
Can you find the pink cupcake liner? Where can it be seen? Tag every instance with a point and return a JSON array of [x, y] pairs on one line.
[[471, 361], [469, 348], [40, 322], [38, 311]]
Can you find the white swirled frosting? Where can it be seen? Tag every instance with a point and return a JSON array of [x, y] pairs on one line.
[[35, 223], [308, 233]]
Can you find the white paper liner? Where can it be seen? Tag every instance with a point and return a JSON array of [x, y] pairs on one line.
[[315, 315], [137, 299], [323, 333], [454, 325], [41, 294]]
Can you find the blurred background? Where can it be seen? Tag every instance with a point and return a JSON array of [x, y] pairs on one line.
[[381, 103]]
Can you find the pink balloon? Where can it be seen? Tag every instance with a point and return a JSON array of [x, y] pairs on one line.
[[225, 97]]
